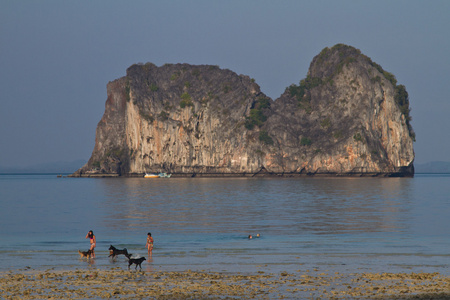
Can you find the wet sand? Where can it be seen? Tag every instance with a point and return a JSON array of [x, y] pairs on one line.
[[302, 284]]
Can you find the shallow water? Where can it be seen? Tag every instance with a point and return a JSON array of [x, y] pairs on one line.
[[340, 224]]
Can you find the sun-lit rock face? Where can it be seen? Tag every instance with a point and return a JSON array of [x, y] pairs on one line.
[[348, 117]]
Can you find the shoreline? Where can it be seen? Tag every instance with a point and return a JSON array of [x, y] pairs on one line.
[[129, 284], [249, 175]]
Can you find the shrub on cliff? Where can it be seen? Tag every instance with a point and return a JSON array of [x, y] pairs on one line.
[[257, 117], [186, 100], [305, 141], [299, 92], [265, 137], [402, 99]]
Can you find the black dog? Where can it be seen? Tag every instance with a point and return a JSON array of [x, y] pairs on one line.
[[113, 251], [136, 261]]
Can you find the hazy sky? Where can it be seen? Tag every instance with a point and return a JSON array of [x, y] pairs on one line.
[[56, 58]]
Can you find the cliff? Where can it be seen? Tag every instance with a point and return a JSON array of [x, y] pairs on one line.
[[347, 117]]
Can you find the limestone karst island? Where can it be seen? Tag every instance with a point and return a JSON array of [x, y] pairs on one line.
[[348, 117]]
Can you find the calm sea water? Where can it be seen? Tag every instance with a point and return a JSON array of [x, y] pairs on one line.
[[340, 224]]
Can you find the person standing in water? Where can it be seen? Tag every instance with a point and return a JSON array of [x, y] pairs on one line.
[[92, 240], [149, 244]]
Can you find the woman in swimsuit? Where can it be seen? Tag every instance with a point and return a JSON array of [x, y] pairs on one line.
[[149, 244], [92, 240]]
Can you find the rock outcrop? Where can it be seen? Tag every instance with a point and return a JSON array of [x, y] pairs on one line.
[[348, 117]]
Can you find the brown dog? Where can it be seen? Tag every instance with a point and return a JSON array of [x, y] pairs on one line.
[[85, 253]]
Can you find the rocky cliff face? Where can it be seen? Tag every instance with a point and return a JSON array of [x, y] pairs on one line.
[[348, 117]]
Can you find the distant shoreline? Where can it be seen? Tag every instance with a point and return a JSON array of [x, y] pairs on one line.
[[68, 175], [68, 168], [35, 173]]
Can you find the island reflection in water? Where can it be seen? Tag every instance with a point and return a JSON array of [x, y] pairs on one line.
[[305, 206]]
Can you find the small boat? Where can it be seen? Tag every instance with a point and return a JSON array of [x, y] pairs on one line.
[[164, 175], [151, 175]]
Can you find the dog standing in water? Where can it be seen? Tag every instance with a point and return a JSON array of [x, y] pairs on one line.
[[136, 261], [86, 254], [113, 251]]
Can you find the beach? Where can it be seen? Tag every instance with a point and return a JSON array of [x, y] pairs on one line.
[[122, 283]]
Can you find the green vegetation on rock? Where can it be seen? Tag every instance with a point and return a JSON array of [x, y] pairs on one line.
[[186, 100], [257, 117], [146, 117], [357, 137], [163, 116], [402, 99], [265, 137], [153, 87], [299, 92], [127, 90], [325, 123], [305, 141]]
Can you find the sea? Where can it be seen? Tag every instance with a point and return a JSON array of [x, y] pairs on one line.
[[352, 225]]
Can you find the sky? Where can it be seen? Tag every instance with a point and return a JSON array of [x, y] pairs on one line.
[[56, 58]]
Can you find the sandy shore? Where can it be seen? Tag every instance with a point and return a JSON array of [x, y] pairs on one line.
[[302, 284]]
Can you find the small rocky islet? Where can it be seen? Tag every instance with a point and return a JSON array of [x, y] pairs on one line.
[[348, 117]]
